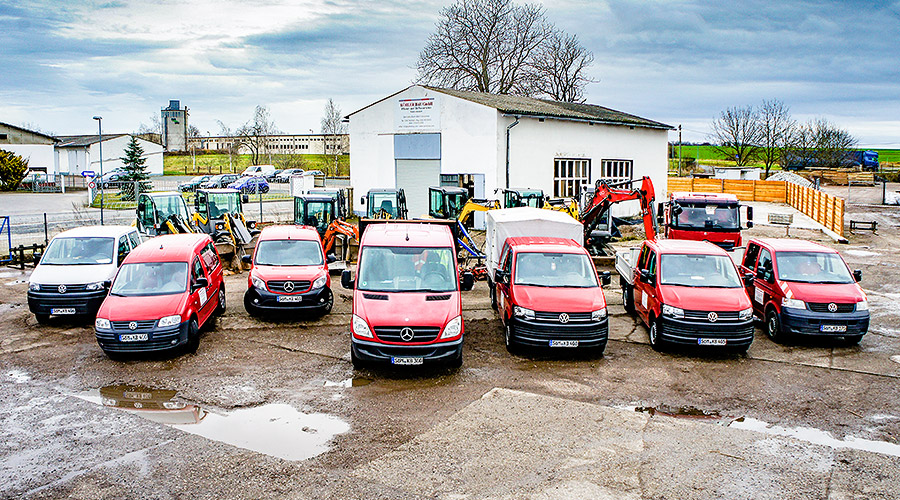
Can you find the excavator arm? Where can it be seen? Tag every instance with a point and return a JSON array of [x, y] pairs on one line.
[[605, 195], [474, 205], [337, 227], [564, 205]]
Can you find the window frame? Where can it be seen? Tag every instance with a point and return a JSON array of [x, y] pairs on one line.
[[569, 175]]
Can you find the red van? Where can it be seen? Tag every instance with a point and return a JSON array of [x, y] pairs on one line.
[[804, 288], [406, 296], [166, 290], [548, 295], [290, 272]]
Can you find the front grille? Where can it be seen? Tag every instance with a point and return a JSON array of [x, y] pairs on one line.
[[554, 316], [69, 288], [141, 325], [704, 315], [695, 329], [156, 341], [822, 307], [420, 334], [277, 286], [375, 296], [558, 332], [430, 298]]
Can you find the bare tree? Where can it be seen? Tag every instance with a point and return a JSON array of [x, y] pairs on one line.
[[819, 143], [152, 132], [736, 134], [775, 127], [333, 127], [254, 134], [562, 62], [231, 144]]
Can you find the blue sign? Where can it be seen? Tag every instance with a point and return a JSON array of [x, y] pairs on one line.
[[88, 173]]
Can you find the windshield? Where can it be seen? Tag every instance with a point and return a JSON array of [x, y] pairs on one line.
[[171, 205], [289, 253], [406, 269], [554, 270], [385, 201], [534, 199], [198, 178], [812, 267], [150, 278], [223, 203], [79, 251], [699, 270], [707, 216]]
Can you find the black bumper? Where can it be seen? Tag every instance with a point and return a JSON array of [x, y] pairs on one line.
[[262, 300], [805, 322], [690, 332], [84, 303], [158, 339], [437, 353], [540, 333]]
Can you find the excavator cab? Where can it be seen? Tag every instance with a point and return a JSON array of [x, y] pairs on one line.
[[513, 198], [342, 207], [220, 214], [316, 210], [162, 213], [385, 204], [446, 202]]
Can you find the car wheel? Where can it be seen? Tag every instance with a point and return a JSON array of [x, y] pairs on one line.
[[329, 303], [193, 342], [655, 341], [627, 296], [42, 318], [220, 308], [773, 326], [358, 364], [493, 294], [248, 305], [510, 341], [455, 362]]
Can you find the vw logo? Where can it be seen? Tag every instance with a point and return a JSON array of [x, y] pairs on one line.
[[563, 318], [407, 334], [62, 288], [712, 317], [288, 286], [132, 325], [832, 307]]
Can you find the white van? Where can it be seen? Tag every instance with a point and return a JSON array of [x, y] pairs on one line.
[[259, 170], [76, 269]]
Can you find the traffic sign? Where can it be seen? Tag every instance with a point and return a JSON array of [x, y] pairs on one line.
[[88, 173], [92, 185]]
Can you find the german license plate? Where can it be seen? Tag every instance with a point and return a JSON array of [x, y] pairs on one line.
[[63, 310], [398, 360], [833, 328], [290, 298], [132, 337], [712, 341], [563, 343]]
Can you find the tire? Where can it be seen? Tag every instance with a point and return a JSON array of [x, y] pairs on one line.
[[42, 319], [493, 294], [358, 364], [220, 308], [511, 346], [455, 362], [627, 296], [655, 342], [329, 303], [249, 307], [773, 326], [193, 342]]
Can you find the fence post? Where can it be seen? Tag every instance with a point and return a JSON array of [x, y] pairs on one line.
[[46, 239]]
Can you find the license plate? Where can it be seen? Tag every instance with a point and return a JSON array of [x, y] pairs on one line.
[[132, 337], [290, 298], [64, 310], [397, 360], [833, 328], [712, 341], [563, 343]]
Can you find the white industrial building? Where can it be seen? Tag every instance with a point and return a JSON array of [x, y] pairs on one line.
[[425, 136], [36, 147], [77, 153]]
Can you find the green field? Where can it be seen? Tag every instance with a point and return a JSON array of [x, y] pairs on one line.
[[709, 156], [218, 163]]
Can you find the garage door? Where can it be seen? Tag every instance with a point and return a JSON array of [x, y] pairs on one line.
[[415, 177]]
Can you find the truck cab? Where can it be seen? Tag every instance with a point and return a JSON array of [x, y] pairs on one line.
[[548, 295], [162, 213], [406, 296], [804, 288], [713, 217], [687, 293]]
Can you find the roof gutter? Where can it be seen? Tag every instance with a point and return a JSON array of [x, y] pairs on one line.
[[588, 120], [508, 128]]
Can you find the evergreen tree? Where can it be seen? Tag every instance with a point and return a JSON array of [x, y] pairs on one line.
[[135, 171], [12, 170]]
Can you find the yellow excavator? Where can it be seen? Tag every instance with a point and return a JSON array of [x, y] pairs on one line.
[[535, 198]]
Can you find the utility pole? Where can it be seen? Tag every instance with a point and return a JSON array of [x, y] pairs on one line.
[[100, 145], [679, 150]]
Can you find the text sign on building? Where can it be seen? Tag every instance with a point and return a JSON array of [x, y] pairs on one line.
[[417, 115]]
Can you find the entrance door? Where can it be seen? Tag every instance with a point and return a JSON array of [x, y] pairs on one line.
[[415, 177]]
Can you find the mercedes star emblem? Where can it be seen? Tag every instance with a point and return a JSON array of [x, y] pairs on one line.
[[712, 317], [407, 334], [563, 318], [132, 325], [832, 307], [62, 288], [288, 286]]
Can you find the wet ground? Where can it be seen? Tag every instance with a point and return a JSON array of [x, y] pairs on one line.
[[274, 409]]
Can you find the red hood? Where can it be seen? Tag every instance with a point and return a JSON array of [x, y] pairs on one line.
[[847, 293], [288, 272], [551, 299], [705, 299], [117, 308], [406, 309]]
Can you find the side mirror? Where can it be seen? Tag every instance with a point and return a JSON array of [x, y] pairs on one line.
[[749, 214], [857, 275], [500, 277], [245, 198], [646, 277], [362, 200], [467, 281], [748, 279], [330, 258], [247, 259], [346, 280], [749, 224], [107, 284], [200, 283], [605, 278], [676, 209]]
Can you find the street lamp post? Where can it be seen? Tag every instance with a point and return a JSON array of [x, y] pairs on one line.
[[100, 130]]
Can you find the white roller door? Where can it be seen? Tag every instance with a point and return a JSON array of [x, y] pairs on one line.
[[415, 177]]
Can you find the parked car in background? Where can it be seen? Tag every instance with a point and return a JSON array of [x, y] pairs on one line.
[[75, 271], [250, 185], [167, 289], [254, 170], [805, 288], [111, 178], [273, 175], [193, 184], [289, 272], [285, 175], [219, 181]]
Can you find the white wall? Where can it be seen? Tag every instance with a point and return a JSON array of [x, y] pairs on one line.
[[38, 155], [114, 149]]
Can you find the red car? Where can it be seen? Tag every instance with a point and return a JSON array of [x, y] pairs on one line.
[[166, 290], [290, 272], [804, 288]]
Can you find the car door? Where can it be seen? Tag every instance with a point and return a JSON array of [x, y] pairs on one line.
[[213, 267], [764, 287], [504, 305], [200, 295], [748, 266], [122, 249], [640, 287]]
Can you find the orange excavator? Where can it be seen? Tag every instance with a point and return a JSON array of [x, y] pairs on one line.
[[596, 211], [338, 227]]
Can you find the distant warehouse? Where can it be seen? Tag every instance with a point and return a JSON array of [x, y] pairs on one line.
[[425, 136]]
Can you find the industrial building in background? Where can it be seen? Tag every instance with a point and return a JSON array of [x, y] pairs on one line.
[[277, 144], [174, 127]]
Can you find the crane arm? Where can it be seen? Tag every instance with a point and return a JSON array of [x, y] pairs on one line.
[[473, 205], [605, 196]]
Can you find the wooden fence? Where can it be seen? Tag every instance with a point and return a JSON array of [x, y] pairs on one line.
[[824, 208]]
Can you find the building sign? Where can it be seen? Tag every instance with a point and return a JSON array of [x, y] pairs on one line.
[[417, 115]]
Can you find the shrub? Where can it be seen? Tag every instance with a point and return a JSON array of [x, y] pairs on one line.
[[12, 170]]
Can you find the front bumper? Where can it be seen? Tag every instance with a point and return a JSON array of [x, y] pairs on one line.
[[84, 303], [158, 339], [690, 332], [263, 300], [541, 333], [437, 353], [805, 322]]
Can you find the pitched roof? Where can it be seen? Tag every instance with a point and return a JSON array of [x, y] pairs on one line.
[[27, 130], [83, 140]]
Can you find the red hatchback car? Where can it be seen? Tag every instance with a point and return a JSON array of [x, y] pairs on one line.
[[166, 290]]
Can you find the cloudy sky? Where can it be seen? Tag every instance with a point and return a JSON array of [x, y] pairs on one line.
[[680, 62]]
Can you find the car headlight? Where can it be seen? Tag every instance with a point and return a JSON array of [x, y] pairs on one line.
[[674, 312], [746, 313], [169, 320], [598, 314], [360, 327], [793, 303], [320, 281], [258, 282], [453, 328], [521, 312], [34, 287], [102, 323], [94, 286], [862, 305]]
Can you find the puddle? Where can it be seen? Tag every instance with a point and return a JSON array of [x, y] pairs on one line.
[[350, 382], [677, 412], [16, 282], [278, 430], [861, 253], [18, 376], [896, 358], [817, 436]]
